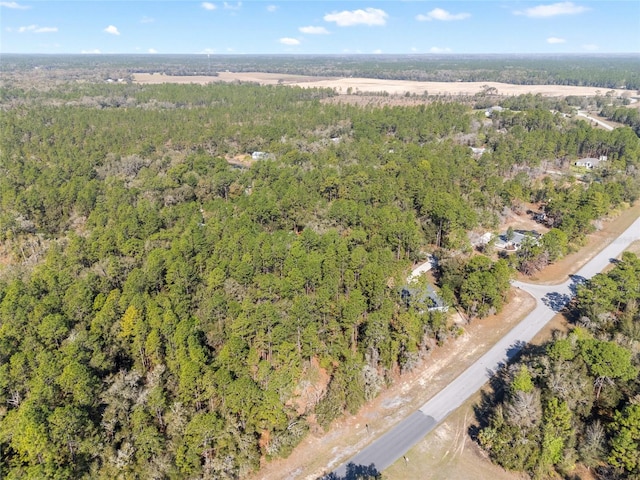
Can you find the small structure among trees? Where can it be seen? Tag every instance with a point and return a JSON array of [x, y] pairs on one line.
[[423, 298], [590, 162], [261, 156], [514, 239]]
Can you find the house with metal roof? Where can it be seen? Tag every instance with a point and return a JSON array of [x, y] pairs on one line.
[[590, 162], [515, 242], [423, 298]]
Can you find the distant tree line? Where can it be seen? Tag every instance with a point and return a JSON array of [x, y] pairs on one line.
[[603, 71]]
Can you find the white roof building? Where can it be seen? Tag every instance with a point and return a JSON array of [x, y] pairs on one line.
[[590, 162]]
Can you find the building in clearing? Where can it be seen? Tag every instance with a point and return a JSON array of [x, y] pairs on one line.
[[515, 242], [478, 151], [261, 156], [423, 298], [590, 162], [495, 108]]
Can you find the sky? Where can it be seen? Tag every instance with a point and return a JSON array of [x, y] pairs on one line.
[[319, 27]]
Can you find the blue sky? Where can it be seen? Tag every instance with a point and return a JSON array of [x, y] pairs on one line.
[[319, 27]]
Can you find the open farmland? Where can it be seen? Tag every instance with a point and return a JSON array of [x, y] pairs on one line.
[[372, 85]]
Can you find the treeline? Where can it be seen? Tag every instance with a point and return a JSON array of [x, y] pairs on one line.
[[574, 400], [626, 116], [606, 71], [169, 315]]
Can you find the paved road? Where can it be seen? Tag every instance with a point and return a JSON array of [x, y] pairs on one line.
[[599, 122], [550, 300]]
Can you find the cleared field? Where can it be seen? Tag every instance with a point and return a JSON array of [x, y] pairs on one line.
[[372, 85]]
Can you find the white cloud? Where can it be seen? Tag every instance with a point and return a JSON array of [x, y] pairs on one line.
[[440, 50], [271, 8], [95, 50], [228, 6], [590, 47], [14, 5], [208, 50], [152, 50], [37, 29], [442, 15], [544, 11], [347, 18], [208, 6], [554, 40], [146, 19], [314, 30], [113, 30], [377, 51], [289, 41]]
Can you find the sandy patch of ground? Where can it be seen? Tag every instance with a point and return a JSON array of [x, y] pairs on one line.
[[5, 256], [372, 85], [634, 248], [240, 160], [448, 452], [524, 221]]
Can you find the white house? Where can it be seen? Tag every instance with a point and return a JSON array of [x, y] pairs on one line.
[[489, 111], [590, 162], [478, 240], [260, 156]]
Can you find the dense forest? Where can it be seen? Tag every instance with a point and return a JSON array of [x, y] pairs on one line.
[[606, 71], [576, 398], [170, 309]]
